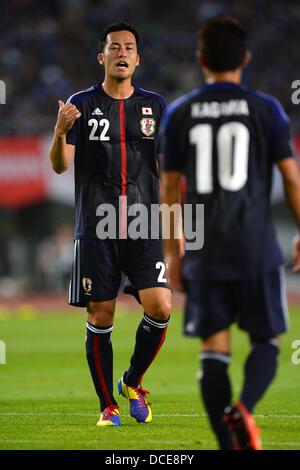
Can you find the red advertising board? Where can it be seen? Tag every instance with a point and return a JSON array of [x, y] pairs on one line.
[[22, 175]]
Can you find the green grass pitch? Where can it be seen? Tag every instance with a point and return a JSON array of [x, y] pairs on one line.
[[48, 402]]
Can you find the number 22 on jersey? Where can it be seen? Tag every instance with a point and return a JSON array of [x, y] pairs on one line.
[[95, 125]]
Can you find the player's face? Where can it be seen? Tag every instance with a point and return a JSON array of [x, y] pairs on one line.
[[120, 56]]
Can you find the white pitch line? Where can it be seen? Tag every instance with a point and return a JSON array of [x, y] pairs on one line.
[[282, 443], [89, 442], [203, 415], [158, 415], [277, 416], [95, 441]]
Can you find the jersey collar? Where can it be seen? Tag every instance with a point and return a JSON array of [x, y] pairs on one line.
[[99, 87], [222, 86]]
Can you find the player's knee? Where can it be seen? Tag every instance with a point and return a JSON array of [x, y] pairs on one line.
[[100, 313], [217, 342], [160, 310]]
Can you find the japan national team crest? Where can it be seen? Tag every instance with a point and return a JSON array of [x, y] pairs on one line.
[[147, 126], [87, 284]]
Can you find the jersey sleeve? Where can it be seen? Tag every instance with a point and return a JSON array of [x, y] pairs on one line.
[[280, 136], [172, 141], [163, 106], [71, 137]]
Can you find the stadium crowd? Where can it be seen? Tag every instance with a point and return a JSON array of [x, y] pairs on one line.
[[49, 49]]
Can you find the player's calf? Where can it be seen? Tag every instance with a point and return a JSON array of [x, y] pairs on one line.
[[150, 337], [215, 389], [260, 369]]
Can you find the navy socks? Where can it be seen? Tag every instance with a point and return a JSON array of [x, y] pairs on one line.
[[150, 336], [260, 369], [216, 392], [100, 359]]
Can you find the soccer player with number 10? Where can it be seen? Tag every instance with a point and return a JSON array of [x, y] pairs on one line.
[[226, 139]]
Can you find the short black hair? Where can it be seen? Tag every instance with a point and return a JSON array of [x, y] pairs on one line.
[[117, 27], [223, 43]]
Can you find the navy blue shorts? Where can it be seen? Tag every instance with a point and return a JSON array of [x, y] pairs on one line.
[[257, 305], [99, 264]]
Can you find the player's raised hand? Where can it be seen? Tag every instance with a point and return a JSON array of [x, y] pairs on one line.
[[67, 115], [296, 254]]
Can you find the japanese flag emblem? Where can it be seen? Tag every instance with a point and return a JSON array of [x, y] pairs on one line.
[[147, 111]]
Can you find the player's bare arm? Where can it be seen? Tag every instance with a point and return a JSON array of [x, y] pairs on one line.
[[174, 248], [296, 254], [291, 180], [61, 153]]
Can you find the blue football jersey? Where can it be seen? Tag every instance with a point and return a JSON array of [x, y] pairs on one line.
[[225, 139], [117, 142]]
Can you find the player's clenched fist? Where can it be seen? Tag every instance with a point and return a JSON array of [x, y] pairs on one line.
[[67, 115], [174, 273]]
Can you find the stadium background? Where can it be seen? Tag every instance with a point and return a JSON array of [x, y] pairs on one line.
[[48, 51]]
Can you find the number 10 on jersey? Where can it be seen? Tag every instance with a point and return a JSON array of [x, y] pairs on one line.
[[232, 151]]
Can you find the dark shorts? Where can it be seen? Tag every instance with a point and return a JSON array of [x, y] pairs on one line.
[[99, 264], [257, 305]]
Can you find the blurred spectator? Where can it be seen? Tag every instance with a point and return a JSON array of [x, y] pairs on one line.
[[49, 50]]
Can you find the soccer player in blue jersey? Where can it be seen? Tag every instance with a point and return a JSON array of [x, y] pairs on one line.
[[112, 128], [226, 139]]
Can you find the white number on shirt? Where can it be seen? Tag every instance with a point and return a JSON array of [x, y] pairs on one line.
[[160, 265], [95, 124], [232, 142]]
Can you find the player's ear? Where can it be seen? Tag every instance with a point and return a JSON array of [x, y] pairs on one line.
[[100, 58], [137, 60], [247, 58], [200, 59]]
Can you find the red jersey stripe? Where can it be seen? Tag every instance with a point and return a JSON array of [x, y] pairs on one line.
[[123, 165]]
